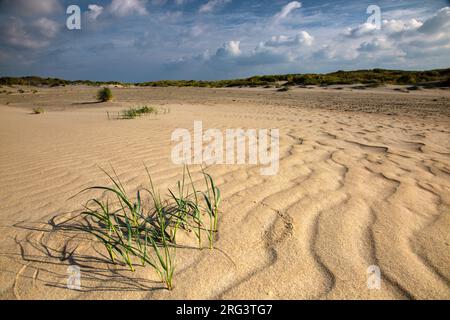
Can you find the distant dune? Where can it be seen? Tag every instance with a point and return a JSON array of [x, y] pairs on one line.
[[373, 77]]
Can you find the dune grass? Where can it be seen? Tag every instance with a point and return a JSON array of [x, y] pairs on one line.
[[133, 113], [145, 228]]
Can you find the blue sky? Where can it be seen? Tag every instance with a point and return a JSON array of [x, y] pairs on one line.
[[139, 40]]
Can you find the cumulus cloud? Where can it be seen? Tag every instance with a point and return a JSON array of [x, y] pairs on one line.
[[286, 10], [302, 38], [94, 11], [278, 50], [122, 8], [282, 49], [398, 26], [229, 49], [45, 27], [361, 30], [438, 23], [212, 5], [30, 7], [230, 56], [398, 40], [34, 35], [431, 39], [380, 48], [393, 27]]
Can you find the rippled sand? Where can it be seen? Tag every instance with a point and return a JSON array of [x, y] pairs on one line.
[[364, 180]]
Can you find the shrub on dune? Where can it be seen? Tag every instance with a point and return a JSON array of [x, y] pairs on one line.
[[283, 89], [104, 95], [38, 110]]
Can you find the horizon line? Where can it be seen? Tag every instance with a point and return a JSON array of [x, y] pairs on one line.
[[218, 80]]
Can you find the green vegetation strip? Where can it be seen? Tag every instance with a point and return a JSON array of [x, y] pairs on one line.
[[438, 77]]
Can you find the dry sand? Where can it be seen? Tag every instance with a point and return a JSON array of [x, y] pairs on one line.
[[364, 180]]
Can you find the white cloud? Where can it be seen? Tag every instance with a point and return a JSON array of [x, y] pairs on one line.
[[302, 38], [94, 11], [31, 7], [45, 27], [398, 26], [229, 49], [361, 30], [122, 8], [286, 10], [399, 43], [34, 35], [278, 50], [380, 48], [388, 27], [197, 30], [438, 23], [212, 5]]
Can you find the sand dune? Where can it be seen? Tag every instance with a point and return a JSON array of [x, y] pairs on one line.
[[364, 179]]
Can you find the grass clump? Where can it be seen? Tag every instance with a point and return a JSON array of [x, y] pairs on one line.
[[132, 113], [104, 95], [144, 228], [212, 200], [38, 110]]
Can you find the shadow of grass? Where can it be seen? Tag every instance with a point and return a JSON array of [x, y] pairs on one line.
[[49, 246]]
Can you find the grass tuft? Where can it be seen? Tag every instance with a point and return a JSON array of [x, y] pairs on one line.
[[144, 228], [133, 113]]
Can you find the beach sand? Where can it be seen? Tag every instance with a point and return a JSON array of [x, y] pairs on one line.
[[364, 179]]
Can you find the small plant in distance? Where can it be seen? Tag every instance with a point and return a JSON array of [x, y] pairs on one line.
[[144, 228], [104, 95], [283, 89], [132, 113], [38, 110]]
